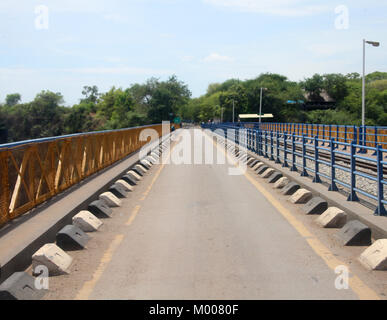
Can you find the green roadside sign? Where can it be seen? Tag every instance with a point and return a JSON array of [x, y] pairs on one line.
[[177, 120]]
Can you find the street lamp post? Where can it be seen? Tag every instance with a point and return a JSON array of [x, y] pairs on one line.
[[375, 44], [233, 111]]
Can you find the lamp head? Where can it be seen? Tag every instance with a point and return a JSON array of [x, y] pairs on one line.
[[374, 43]]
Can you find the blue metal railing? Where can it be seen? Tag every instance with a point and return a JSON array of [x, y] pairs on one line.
[[327, 152], [364, 136]]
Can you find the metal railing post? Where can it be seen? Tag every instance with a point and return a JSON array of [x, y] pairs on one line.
[[333, 186], [316, 164], [271, 146], [345, 137], [304, 173], [323, 135], [380, 210], [376, 140], [266, 148], [330, 135], [352, 193], [277, 148], [293, 167], [285, 163]]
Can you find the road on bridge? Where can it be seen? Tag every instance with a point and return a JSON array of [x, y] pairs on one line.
[[196, 232]]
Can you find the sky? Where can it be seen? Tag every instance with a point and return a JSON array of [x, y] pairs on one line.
[[64, 45]]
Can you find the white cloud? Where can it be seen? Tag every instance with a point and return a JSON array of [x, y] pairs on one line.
[[215, 57], [273, 7]]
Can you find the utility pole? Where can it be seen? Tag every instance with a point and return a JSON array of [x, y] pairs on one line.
[[221, 119]]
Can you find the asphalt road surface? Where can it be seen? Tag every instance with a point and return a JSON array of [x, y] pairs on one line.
[[196, 232]]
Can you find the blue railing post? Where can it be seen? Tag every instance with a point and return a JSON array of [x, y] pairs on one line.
[[363, 139], [260, 147], [257, 141], [293, 167], [337, 136], [277, 148], [266, 153], [304, 172], [316, 163], [330, 135], [376, 140], [249, 141], [285, 163], [345, 137], [380, 210], [323, 135], [333, 186], [271, 146], [352, 193]]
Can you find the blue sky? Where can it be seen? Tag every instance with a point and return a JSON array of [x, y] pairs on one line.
[[117, 43]]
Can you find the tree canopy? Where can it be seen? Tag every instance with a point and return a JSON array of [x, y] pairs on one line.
[[156, 100]]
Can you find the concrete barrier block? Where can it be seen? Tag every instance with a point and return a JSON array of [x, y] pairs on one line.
[[134, 175], [267, 173], [281, 183], [125, 185], [290, 188], [354, 233], [20, 286], [128, 178], [86, 221], [262, 170], [250, 161], [53, 258], [332, 218], [146, 164], [275, 177], [118, 190], [375, 257], [301, 196], [155, 155], [139, 171], [100, 209], [258, 165], [110, 199], [151, 159], [252, 164], [315, 205], [141, 168], [71, 238]]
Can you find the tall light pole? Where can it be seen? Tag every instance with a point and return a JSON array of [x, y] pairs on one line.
[[233, 111], [260, 105], [375, 44]]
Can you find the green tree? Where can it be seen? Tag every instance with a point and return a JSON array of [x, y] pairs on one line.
[[12, 99]]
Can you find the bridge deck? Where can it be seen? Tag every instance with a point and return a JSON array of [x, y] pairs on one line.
[[195, 232]]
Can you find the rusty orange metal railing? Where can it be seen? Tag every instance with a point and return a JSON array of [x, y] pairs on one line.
[[34, 172]]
